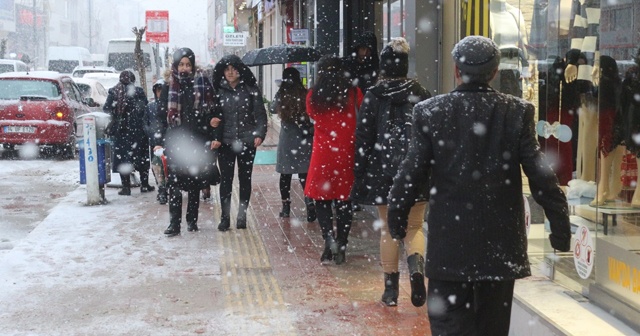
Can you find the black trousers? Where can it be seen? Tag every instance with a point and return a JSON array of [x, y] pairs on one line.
[[227, 158], [470, 308], [175, 205], [344, 214], [285, 185]]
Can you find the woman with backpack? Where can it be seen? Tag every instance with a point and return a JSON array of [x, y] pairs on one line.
[[332, 104], [382, 139]]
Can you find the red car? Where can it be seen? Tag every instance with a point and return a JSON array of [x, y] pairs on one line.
[[40, 107]]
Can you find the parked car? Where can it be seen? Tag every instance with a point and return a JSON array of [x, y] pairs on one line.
[[93, 90], [108, 80], [80, 71], [9, 65], [40, 108]]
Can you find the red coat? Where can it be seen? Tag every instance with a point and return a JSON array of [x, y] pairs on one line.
[[330, 174]]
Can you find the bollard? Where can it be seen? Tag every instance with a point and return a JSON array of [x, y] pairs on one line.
[[94, 194]]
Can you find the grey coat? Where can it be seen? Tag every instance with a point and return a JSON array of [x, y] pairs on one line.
[[475, 141], [294, 145]]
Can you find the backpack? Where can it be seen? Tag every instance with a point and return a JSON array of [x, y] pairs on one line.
[[396, 138]]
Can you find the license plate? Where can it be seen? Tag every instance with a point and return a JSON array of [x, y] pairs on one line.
[[19, 129]]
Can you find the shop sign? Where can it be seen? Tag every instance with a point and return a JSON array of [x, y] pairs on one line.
[[299, 35], [583, 252], [234, 40], [157, 22], [618, 270]]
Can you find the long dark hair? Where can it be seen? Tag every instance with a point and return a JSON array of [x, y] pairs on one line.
[[291, 97], [332, 86]]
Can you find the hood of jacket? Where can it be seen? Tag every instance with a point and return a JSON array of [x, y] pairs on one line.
[[397, 90], [246, 76]]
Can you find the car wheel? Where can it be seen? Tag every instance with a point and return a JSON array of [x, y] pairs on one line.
[[65, 152]]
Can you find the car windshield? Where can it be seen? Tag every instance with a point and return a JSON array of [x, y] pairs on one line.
[[107, 82], [85, 89], [123, 61], [80, 73], [63, 66], [16, 88]]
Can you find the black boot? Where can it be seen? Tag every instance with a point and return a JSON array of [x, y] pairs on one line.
[[241, 222], [225, 223], [416, 269], [191, 227], [330, 248], [286, 209], [144, 182], [162, 195], [172, 230], [391, 289], [126, 185], [311, 209], [341, 256], [225, 217]]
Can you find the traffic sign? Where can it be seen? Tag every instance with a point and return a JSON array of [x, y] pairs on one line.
[[157, 23]]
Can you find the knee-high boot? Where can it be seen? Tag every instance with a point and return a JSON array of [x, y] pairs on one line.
[[225, 216], [126, 184]]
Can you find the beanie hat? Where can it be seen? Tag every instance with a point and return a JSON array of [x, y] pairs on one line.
[[394, 59], [184, 52], [476, 55]]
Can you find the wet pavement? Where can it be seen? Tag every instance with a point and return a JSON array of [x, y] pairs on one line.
[[109, 270]]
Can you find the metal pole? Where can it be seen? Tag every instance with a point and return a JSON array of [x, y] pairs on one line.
[[90, 28], [35, 33]]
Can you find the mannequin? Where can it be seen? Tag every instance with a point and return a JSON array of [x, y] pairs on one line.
[[508, 31], [610, 147]]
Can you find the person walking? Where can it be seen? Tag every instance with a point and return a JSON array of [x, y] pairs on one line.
[[155, 126], [332, 104], [126, 103], [475, 141], [382, 139], [295, 140], [243, 128], [188, 144]]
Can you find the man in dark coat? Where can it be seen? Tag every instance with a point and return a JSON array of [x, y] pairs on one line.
[[363, 63], [474, 141], [126, 103], [382, 137]]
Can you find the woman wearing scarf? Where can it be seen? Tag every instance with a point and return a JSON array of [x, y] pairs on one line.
[[126, 103], [244, 127], [188, 138]]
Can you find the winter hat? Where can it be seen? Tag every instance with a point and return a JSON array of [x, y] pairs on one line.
[[183, 52], [127, 77], [394, 59], [476, 55]]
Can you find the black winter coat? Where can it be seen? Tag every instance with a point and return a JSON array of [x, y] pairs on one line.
[[130, 142], [474, 140], [155, 123], [243, 114], [371, 185]]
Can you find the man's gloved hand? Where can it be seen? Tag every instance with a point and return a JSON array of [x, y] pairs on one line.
[[396, 231], [562, 244]]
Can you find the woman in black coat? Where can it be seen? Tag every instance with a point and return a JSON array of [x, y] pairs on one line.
[[243, 128], [188, 139], [387, 107], [126, 103]]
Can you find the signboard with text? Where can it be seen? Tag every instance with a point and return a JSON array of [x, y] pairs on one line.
[[234, 40], [157, 23], [299, 35]]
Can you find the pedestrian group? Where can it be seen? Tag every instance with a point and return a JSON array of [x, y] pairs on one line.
[[368, 134]]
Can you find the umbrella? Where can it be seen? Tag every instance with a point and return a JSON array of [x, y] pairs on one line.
[[280, 54]]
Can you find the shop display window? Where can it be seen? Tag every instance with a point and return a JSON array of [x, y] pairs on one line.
[[576, 61]]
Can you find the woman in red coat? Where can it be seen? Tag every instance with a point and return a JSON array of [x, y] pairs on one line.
[[332, 103]]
